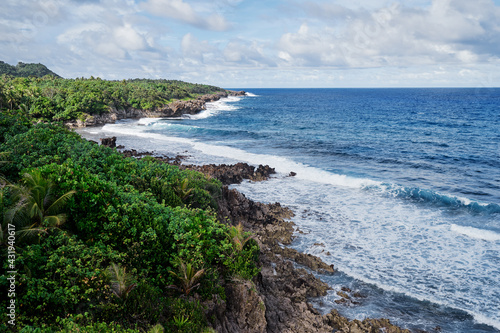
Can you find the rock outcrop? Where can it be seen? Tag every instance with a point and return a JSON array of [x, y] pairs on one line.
[[175, 109], [244, 311], [235, 173], [109, 142]]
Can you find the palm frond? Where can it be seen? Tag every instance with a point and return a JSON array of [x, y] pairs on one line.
[[239, 237], [18, 214], [121, 282], [188, 277], [31, 232], [55, 221], [59, 203]]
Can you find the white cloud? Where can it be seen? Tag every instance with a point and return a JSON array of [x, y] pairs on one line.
[[106, 40], [450, 31], [128, 38], [195, 49], [183, 11], [247, 53]]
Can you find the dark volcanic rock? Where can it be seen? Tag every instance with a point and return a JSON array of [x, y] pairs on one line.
[[283, 288], [135, 153], [262, 173], [109, 142], [243, 311], [267, 221], [236, 93], [343, 325], [233, 174], [312, 262]]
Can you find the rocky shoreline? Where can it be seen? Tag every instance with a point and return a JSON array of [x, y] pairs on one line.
[[281, 287], [175, 109], [277, 300]]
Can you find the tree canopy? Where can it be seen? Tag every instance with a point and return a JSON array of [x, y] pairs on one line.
[[51, 98], [26, 70]]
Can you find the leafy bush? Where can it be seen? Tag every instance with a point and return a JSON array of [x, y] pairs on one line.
[[60, 275]]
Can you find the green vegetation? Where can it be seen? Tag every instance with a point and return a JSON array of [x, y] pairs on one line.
[[25, 70], [95, 237], [51, 98]]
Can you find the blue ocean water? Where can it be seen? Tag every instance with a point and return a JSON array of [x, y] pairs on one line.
[[398, 188]]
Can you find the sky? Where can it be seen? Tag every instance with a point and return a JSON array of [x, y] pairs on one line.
[[260, 44]]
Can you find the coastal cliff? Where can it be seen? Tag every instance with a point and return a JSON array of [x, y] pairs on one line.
[[175, 109]]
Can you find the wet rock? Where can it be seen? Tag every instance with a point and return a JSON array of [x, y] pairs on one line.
[[342, 324], [236, 93], [135, 153], [109, 142], [235, 173], [343, 294], [312, 262], [262, 173]]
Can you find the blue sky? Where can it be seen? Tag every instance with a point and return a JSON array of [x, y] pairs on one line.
[[245, 44]]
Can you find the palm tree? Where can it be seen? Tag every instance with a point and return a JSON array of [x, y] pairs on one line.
[[188, 278], [10, 96], [2, 94], [122, 283], [42, 209], [9, 216], [13, 215], [237, 235], [182, 190]]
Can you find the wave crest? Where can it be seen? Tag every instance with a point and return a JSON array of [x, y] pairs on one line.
[[487, 235]]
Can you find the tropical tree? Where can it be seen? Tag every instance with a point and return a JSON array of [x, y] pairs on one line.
[[122, 283], [5, 216], [183, 190], [10, 96], [37, 203], [239, 237], [188, 277], [13, 215], [2, 94]]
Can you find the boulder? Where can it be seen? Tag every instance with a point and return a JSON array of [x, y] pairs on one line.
[[235, 173], [109, 142]]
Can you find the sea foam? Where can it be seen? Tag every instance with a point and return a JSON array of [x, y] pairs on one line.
[[487, 235]]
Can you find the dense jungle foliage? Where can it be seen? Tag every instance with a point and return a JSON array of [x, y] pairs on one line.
[[25, 70], [52, 98], [100, 242]]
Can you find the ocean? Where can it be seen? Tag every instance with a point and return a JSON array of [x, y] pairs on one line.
[[398, 188]]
